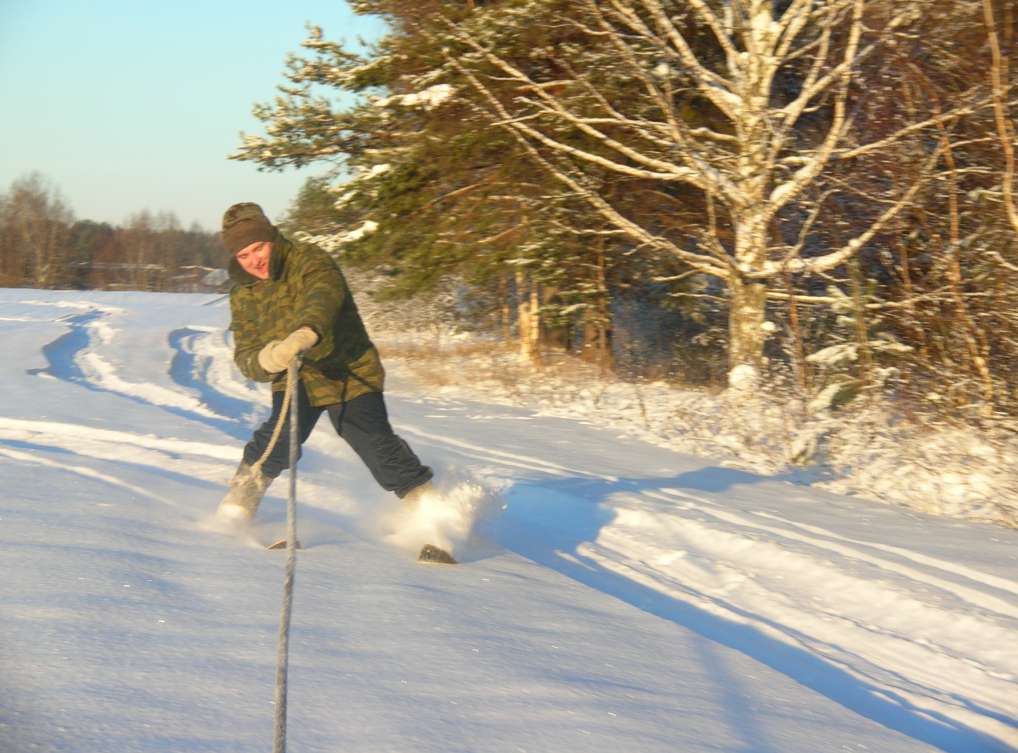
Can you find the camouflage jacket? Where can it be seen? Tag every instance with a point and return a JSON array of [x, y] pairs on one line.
[[305, 288]]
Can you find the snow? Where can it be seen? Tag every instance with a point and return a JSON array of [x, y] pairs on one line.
[[743, 377], [366, 228], [835, 354], [614, 594], [428, 98], [825, 398], [334, 243], [344, 199], [764, 427]]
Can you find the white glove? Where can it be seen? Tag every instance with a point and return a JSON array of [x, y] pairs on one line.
[[276, 356]]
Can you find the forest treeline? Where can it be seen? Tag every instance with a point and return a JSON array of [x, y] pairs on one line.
[[43, 245], [720, 192]]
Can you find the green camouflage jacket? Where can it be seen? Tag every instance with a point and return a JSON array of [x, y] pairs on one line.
[[305, 288]]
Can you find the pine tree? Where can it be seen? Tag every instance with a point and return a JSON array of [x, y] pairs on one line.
[[433, 190]]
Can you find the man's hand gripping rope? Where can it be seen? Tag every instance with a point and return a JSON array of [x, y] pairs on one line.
[[275, 356]]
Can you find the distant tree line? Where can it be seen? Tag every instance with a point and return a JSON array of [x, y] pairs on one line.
[[42, 245], [703, 189]]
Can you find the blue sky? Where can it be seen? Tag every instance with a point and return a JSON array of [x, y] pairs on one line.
[[127, 105]]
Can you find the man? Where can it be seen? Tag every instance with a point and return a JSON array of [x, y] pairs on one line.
[[291, 299]]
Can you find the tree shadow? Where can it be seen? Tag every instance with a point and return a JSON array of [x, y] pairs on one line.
[[570, 514]]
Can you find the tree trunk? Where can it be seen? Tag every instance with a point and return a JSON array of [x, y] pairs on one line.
[[522, 314], [751, 227], [534, 333], [862, 337], [977, 346], [528, 317], [504, 308], [749, 297], [554, 337], [745, 324], [799, 362], [605, 359]]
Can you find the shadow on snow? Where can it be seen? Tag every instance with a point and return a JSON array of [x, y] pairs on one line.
[[571, 514]]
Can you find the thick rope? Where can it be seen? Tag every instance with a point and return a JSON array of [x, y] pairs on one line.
[[283, 641], [291, 389]]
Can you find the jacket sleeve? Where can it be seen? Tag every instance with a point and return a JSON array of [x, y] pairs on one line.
[[246, 342], [323, 294]]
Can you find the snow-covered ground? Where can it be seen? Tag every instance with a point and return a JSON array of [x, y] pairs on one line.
[[627, 597], [870, 451]]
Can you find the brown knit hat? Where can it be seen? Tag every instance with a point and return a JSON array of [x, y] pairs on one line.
[[244, 224]]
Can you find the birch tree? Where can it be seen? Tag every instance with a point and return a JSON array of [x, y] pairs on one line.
[[34, 228], [747, 103]]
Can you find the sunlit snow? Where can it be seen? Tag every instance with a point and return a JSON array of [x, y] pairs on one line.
[[613, 595]]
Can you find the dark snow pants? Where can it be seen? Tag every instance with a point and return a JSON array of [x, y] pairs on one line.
[[363, 422]]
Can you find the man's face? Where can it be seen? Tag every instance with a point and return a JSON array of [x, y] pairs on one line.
[[254, 259]]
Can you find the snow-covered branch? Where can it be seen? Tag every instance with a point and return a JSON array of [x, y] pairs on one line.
[[604, 208], [851, 248], [713, 86]]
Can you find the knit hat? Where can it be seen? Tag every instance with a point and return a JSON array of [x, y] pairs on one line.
[[244, 224]]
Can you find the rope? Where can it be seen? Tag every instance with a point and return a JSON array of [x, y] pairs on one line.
[[283, 640], [291, 388]]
